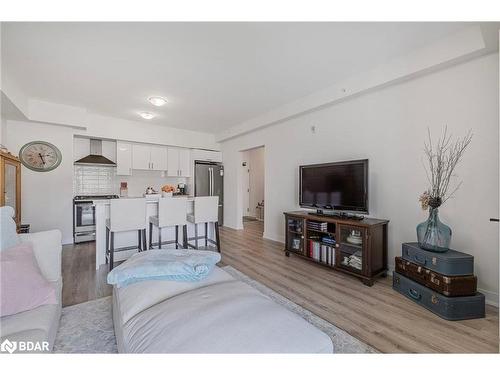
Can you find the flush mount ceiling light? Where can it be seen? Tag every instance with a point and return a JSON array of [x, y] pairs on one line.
[[146, 115], [157, 101]]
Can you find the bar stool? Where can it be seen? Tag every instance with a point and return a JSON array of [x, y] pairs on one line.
[[125, 215], [206, 210], [171, 212]]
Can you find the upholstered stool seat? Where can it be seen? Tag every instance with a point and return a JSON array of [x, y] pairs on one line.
[[125, 215], [171, 213], [206, 210]]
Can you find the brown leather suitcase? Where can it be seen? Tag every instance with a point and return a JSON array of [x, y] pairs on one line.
[[451, 286]]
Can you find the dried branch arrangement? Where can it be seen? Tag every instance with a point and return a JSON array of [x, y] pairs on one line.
[[442, 159]]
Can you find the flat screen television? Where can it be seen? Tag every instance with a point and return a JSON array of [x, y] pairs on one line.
[[341, 186]]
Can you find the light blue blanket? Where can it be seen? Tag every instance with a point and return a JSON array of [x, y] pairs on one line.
[[176, 265]]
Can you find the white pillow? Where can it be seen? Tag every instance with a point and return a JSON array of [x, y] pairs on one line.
[[8, 233]]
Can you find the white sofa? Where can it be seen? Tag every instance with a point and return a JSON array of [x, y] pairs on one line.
[[39, 325], [217, 315]]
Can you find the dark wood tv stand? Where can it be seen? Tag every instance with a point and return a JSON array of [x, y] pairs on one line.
[[356, 247]]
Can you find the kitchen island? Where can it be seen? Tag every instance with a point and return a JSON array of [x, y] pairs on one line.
[[126, 242]]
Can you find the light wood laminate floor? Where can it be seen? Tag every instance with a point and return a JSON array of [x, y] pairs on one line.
[[376, 315]]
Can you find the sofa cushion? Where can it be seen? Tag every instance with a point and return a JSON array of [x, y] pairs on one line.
[[41, 319], [8, 233], [228, 317], [133, 299], [47, 248], [22, 286]]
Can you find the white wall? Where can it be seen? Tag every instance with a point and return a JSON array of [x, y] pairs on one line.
[[2, 128], [46, 197], [388, 126]]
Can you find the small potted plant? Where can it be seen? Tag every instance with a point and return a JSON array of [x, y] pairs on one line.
[[442, 158], [167, 190]]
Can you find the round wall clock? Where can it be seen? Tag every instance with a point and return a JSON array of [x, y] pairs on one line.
[[40, 156]]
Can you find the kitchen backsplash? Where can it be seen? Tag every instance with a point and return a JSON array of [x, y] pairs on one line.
[[93, 180]]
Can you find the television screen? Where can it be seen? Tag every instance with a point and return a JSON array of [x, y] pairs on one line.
[[339, 186]]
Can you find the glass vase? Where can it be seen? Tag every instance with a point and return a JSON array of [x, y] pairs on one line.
[[432, 234]]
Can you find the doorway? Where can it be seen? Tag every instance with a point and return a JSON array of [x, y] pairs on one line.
[[253, 174]]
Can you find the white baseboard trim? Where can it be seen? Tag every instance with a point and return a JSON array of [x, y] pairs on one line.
[[232, 227], [274, 238], [490, 297], [67, 241]]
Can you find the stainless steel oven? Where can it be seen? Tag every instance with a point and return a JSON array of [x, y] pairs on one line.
[[84, 221], [84, 217]]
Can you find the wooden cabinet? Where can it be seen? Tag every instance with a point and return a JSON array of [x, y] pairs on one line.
[[123, 158], [10, 183], [179, 162], [295, 235], [149, 157], [356, 247]]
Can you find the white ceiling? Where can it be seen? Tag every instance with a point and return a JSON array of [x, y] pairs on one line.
[[215, 75]]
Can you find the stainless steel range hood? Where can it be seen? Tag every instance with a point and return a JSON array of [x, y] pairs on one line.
[[95, 158]]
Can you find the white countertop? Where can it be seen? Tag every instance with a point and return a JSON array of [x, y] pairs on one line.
[[148, 200]]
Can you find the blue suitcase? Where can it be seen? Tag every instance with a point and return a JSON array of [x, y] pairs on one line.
[[449, 308], [451, 263]]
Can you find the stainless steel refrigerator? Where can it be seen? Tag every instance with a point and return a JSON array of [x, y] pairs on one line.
[[209, 181]]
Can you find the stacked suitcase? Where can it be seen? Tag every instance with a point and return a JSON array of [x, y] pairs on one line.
[[444, 283]]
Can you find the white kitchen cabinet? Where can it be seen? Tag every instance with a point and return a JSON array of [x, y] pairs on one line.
[[179, 162], [141, 156], [158, 158], [149, 157], [207, 155], [123, 158], [109, 150], [173, 162], [185, 162], [81, 148]]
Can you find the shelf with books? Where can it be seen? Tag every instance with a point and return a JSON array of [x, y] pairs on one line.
[[321, 252], [355, 247], [320, 227]]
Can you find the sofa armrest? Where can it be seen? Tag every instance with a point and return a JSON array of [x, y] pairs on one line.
[[47, 248]]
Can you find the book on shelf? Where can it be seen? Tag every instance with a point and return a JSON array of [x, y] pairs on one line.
[[328, 240], [317, 226], [321, 252]]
